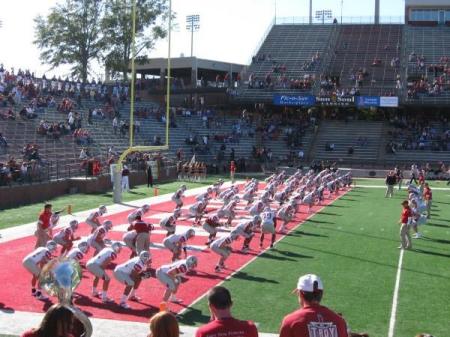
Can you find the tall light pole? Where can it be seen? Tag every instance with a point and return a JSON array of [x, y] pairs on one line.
[[342, 9], [193, 25], [310, 12], [377, 12]]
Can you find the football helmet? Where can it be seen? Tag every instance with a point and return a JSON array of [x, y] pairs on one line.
[[191, 262], [144, 256], [73, 225], [116, 246], [102, 209], [83, 246], [51, 246], [108, 225]]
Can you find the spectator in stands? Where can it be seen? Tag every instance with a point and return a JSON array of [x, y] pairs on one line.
[[164, 324], [3, 141], [222, 322], [312, 315]]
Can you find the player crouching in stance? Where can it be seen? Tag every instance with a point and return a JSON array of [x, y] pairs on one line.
[[34, 262], [177, 243], [130, 273], [178, 196], [170, 275], [168, 223], [210, 225], [285, 214], [268, 225], [132, 217], [66, 237], [97, 266], [97, 240], [93, 218], [222, 248], [246, 230], [197, 210], [227, 211]]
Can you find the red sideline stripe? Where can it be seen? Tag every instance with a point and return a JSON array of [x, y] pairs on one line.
[[15, 280]]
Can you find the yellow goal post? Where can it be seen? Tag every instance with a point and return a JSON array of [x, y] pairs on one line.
[[117, 173]]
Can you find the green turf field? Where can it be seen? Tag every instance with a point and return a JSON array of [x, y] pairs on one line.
[[26, 214], [352, 245]]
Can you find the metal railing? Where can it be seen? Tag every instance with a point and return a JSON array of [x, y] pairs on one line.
[[354, 20]]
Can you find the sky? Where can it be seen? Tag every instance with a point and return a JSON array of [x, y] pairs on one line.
[[230, 30]]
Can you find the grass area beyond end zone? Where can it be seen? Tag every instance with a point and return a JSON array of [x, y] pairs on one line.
[[81, 202], [352, 246]]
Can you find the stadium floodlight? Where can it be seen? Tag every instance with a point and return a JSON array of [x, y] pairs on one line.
[[324, 14], [192, 25]]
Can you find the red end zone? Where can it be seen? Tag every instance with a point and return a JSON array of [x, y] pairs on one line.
[[15, 293]]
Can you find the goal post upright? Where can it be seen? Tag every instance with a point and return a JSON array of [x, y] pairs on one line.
[[117, 173]]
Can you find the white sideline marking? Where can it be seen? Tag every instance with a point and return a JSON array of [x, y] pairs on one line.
[[384, 187], [281, 237], [395, 298]]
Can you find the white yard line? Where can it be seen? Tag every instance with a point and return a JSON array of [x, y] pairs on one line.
[[403, 189], [281, 237], [395, 297]]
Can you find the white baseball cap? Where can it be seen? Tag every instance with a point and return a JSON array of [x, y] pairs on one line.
[[306, 283]]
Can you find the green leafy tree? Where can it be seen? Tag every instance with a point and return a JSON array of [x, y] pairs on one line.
[[71, 34], [117, 27]]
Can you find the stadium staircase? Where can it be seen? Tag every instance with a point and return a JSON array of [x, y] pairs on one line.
[[431, 43], [356, 48], [345, 134], [293, 46]]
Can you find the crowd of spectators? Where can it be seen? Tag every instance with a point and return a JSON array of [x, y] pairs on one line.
[[418, 134]]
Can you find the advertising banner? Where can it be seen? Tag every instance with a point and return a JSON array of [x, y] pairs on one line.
[[293, 100]]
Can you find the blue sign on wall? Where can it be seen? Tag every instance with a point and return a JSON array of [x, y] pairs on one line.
[[293, 100], [368, 101]]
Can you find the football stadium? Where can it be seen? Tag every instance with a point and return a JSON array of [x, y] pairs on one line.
[[225, 168]]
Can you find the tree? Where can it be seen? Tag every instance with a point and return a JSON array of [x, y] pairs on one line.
[[117, 27], [71, 34]]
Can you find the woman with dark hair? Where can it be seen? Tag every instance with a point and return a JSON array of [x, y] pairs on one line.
[[57, 322]]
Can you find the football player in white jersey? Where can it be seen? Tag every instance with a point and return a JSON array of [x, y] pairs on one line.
[[137, 212], [216, 187], [77, 253], [268, 225], [177, 243], [285, 214], [169, 275], [246, 229], [256, 208], [197, 210], [66, 236], [34, 262], [227, 211], [168, 223], [97, 239], [97, 266], [93, 218], [205, 195], [130, 273], [178, 196], [222, 247]]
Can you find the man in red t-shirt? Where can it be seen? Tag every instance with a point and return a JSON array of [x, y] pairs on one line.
[[428, 197], [312, 319], [43, 230], [405, 237], [222, 322]]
